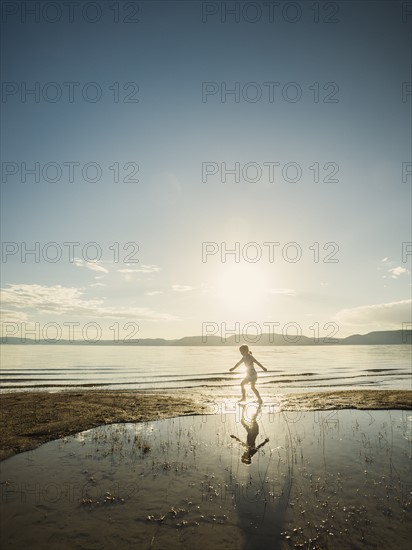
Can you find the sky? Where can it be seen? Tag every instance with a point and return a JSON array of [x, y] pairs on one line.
[[161, 135]]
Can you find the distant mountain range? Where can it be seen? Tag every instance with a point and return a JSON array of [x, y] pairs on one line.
[[383, 337]]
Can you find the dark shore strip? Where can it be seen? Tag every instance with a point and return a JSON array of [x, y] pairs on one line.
[[29, 419], [347, 399]]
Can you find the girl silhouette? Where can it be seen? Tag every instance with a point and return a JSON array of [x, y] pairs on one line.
[[251, 374]]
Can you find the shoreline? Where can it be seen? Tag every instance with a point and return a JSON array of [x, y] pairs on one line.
[[30, 418]]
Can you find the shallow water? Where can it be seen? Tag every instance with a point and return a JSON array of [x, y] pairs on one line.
[[291, 369], [325, 479]]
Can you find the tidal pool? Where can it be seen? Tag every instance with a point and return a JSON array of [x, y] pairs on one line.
[[251, 478]]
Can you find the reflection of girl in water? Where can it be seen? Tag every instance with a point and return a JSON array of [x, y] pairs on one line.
[[251, 374], [252, 429]]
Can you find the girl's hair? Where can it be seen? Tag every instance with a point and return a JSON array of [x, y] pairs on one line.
[[245, 349]]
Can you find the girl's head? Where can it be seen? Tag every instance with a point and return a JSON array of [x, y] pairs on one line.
[[244, 350], [246, 458]]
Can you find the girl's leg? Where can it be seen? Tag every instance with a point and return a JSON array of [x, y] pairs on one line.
[[252, 385]]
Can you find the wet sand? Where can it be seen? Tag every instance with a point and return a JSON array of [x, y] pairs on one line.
[[30, 419], [326, 480]]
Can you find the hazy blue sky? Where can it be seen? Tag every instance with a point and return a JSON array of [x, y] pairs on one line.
[[349, 67]]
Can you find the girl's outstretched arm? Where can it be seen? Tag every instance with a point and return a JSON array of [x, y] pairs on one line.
[[261, 366], [236, 366], [237, 439], [264, 443]]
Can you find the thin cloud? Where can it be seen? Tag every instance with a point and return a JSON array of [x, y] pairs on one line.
[[154, 292], [94, 266], [393, 270], [181, 288], [9, 316], [56, 299], [59, 300], [282, 291], [141, 269], [388, 316], [398, 271]]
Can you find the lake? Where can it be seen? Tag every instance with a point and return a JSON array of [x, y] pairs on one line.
[[290, 369]]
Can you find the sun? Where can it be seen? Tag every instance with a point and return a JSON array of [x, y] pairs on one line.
[[241, 288]]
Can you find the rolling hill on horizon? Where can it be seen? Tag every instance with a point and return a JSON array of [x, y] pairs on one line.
[[384, 337]]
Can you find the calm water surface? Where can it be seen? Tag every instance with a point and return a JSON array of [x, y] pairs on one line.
[[290, 369]]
